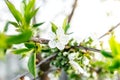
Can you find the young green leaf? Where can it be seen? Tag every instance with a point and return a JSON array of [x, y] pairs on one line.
[[8, 23], [29, 11], [38, 24], [17, 15], [6, 27], [33, 13], [30, 15], [38, 48], [30, 45], [65, 25], [32, 64], [54, 27], [115, 64], [30, 6], [106, 54], [21, 51], [17, 39], [3, 39], [115, 46]]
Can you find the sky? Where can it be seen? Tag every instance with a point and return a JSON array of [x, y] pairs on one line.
[[91, 18]]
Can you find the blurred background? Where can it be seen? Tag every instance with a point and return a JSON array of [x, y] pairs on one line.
[[90, 18]]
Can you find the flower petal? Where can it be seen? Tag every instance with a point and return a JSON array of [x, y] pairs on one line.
[[60, 31], [60, 46], [52, 44], [85, 61], [71, 56], [76, 66], [64, 39], [52, 36]]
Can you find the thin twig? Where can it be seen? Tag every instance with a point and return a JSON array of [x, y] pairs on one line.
[[40, 40], [17, 77], [72, 12], [89, 49], [43, 61], [46, 59], [109, 31]]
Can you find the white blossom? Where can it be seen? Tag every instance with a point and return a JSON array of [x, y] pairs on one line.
[[85, 61], [78, 68], [58, 40], [71, 56], [65, 53]]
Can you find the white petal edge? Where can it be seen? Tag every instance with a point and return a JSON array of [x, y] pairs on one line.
[[52, 44], [60, 31], [60, 46], [71, 56], [76, 66], [64, 39], [52, 35]]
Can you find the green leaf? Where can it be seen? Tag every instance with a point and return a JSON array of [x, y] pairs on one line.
[[6, 27], [38, 48], [54, 27], [115, 64], [29, 11], [30, 5], [14, 24], [30, 45], [66, 25], [8, 23], [115, 46], [106, 54], [30, 15], [3, 39], [17, 39], [22, 6], [21, 51], [38, 24], [17, 15], [32, 64], [33, 13]]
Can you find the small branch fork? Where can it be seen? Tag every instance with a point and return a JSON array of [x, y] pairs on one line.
[[45, 41]]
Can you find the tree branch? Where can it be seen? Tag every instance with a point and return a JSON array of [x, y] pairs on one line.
[[109, 31], [72, 12], [19, 76], [89, 49], [43, 61], [40, 40], [46, 59], [45, 41]]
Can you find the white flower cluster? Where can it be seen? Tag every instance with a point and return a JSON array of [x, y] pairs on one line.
[[59, 39], [76, 66]]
